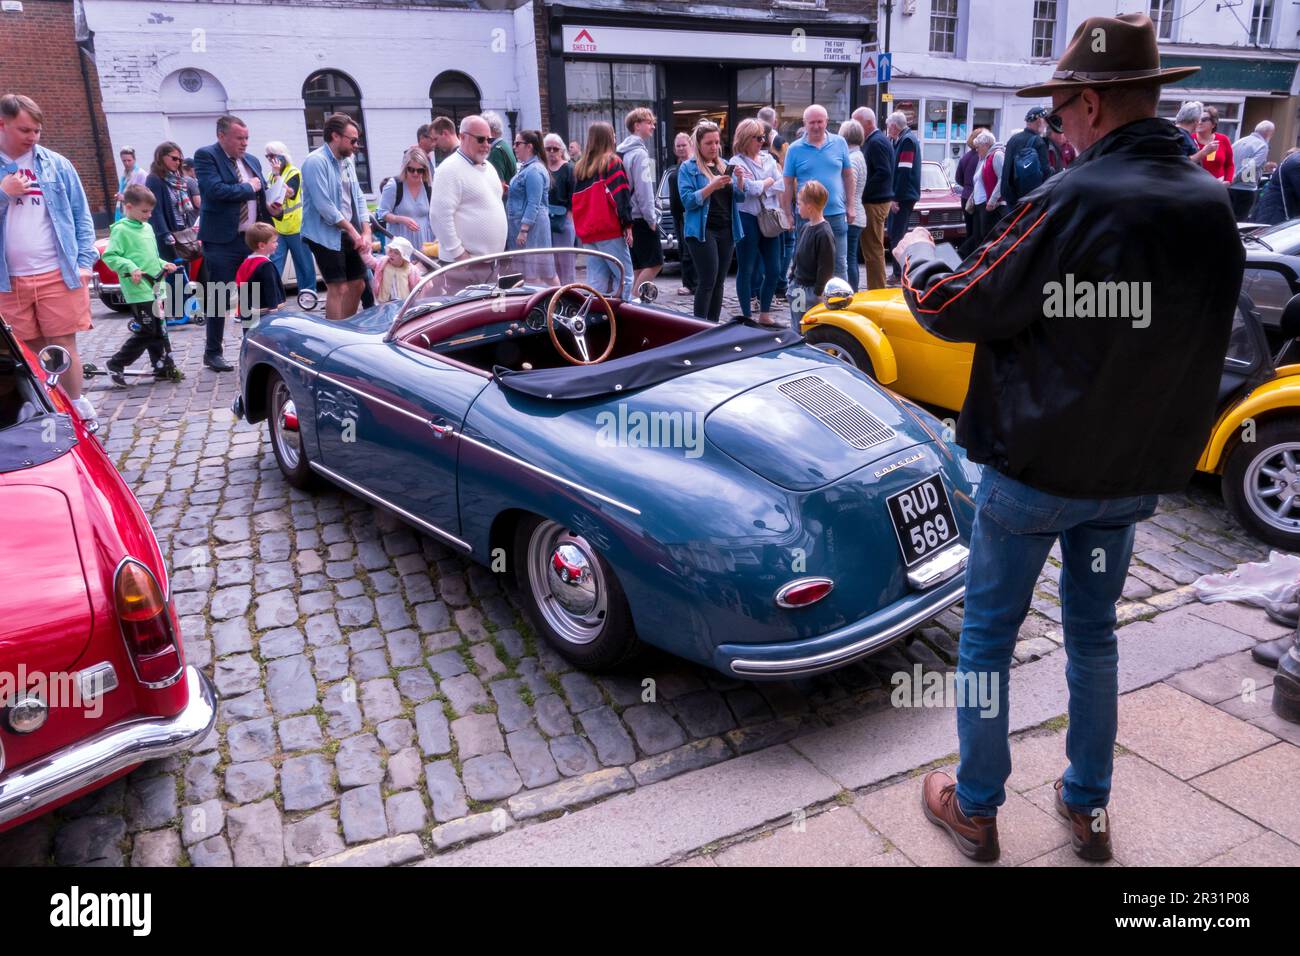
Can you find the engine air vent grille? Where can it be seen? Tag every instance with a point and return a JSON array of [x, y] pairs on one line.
[[840, 413]]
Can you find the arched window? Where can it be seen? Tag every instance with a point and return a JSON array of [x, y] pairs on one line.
[[456, 95], [329, 91]]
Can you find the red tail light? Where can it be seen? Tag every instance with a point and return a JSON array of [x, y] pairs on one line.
[[146, 624], [803, 592]]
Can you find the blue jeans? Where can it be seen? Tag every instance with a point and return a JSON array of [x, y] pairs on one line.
[[601, 275], [1015, 527], [787, 253], [755, 252], [840, 229], [304, 266], [851, 269]]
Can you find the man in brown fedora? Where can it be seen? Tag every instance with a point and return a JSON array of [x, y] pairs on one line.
[[1100, 308]]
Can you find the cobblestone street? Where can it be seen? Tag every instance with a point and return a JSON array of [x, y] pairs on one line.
[[384, 698]]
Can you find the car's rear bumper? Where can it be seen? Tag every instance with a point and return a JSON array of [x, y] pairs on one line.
[[837, 648], [78, 766]]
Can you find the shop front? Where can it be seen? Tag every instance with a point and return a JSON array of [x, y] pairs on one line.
[[699, 69]]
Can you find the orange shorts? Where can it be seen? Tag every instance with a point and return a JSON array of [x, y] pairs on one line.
[[42, 306]]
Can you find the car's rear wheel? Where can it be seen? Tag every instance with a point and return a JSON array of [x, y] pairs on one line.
[[573, 597], [286, 434], [117, 305], [841, 345], [1261, 483]]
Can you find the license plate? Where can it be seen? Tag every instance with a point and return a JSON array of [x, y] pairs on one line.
[[936, 235], [922, 519]]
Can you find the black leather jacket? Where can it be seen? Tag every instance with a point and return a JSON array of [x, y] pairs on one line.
[[1094, 407]]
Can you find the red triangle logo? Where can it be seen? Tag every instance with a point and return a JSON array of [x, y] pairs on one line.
[[583, 34]]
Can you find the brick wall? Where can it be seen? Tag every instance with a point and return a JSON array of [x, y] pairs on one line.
[[39, 58], [541, 30]]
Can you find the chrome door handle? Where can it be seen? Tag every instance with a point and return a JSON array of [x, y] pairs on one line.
[[441, 428]]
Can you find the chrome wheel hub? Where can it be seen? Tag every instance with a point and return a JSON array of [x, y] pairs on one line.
[[284, 426], [567, 583], [1272, 486]]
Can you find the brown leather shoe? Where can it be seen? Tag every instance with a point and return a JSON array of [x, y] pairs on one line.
[[1089, 833], [976, 837]]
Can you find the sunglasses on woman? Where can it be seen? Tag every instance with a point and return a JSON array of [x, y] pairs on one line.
[[555, 149], [415, 170]]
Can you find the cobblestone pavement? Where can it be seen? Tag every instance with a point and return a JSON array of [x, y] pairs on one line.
[[383, 697]]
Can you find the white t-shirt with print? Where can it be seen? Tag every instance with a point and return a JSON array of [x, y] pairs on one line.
[[30, 244]]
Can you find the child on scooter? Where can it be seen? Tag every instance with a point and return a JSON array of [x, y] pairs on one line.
[[132, 253]]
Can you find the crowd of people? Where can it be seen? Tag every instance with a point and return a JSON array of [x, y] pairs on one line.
[[788, 215]]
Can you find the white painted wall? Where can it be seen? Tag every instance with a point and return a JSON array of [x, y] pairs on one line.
[[998, 43], [261, 54]]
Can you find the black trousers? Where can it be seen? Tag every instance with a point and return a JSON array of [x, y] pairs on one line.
[[1243, 200], [712, 258], [689, 278], [222, 260], [151, 338], [895, 229]]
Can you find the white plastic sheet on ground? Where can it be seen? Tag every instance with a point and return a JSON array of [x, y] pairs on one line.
[[1273, 584]]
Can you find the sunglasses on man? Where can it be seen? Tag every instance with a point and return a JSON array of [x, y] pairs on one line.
[[1054, 121], [478, 139]]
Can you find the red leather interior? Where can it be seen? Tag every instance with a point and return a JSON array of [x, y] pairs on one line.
[[639, 327]]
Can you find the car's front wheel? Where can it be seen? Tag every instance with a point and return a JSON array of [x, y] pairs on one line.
[[286, 434], [573, 597], [1261, 483], [839, 344]]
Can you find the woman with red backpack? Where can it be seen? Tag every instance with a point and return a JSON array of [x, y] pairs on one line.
[[602, 211]]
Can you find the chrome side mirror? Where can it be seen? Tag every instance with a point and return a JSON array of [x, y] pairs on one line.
[[647, 292], [838, 294], [55, 360]]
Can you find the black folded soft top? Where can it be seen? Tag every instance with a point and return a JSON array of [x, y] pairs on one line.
[[704, 349]]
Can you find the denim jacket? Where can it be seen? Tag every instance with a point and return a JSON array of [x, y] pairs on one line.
[[74, 228], [322, 198], [691, 179], [528, 193]]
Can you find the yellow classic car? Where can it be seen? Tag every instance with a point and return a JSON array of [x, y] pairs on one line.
[[1254, 444]]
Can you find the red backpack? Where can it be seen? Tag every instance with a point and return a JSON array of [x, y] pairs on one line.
[[595, 217]]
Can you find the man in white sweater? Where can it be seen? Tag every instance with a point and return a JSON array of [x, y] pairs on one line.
[[465, 210]]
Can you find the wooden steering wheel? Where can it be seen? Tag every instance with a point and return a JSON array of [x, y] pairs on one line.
[[576, 325]]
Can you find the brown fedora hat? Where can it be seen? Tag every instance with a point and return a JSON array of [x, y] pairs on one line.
[[1110, 51]]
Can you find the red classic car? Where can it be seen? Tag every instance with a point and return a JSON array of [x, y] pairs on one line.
[[939, 208], [93, 680]]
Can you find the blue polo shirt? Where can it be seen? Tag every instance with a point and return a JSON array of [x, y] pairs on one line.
[[825, 163]]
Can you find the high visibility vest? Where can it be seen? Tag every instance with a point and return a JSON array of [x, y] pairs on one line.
[[290, 221]]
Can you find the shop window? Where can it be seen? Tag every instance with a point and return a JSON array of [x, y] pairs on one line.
[[604, 92], [792, 90], [329, 91], [831, 90], [1229, 114], [455, 96], [753, 90]]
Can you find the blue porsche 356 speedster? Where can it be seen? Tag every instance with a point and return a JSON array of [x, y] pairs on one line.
[[724, 492]]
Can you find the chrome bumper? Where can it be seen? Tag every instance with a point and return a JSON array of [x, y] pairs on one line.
[[859, 641], [81, 764]]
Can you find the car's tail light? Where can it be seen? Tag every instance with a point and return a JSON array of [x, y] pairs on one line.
[[146, 624], [803, 592]]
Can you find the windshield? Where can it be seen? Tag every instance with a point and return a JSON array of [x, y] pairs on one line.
[[932, 177], [1283, 238], [518, 273]]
